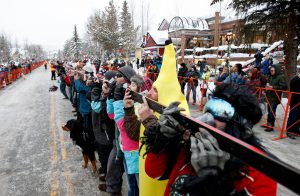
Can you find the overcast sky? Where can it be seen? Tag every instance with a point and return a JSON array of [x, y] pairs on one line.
[[51, 22]]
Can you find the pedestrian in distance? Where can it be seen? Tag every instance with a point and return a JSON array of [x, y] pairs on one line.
[[53, 70], [276, 81], [181, 75], [293, 123], [137, 63], [258, 58]]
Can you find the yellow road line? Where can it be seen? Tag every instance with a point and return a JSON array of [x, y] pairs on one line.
[[53, 147], [54, 183], [64, 156]]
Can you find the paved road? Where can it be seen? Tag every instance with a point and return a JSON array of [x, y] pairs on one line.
[[38, 158]]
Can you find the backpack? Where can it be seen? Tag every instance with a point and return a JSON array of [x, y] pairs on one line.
[[67, 80]]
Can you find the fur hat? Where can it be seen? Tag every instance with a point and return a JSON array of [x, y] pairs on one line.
[[127, 72], [138, 80]]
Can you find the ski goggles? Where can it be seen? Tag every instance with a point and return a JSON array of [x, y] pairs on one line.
[[220, 109]]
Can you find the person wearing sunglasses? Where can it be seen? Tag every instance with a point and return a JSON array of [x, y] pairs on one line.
[[201, 167]]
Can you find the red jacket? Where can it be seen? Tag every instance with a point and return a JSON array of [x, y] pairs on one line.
[[155, 166], [257, 184]]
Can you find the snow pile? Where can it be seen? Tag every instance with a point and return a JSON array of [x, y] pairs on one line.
[[239, 55], [225, 47], [208, 56], [272, 47], [253, 46]]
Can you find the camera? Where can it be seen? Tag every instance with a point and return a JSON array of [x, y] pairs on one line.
[[111, 83]]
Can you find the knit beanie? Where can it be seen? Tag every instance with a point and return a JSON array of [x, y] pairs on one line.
[[127, 72], [110, 74]]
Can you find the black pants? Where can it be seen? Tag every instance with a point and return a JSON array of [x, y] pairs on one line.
[[103, 153], [53, 77], [182, 86], [115, 170], [87, 126]]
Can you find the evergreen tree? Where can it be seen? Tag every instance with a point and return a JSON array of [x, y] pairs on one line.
[[110, 30], [67, 54], [128, 33], [5, 49], [281, 17], [75, 44], [103, 28]]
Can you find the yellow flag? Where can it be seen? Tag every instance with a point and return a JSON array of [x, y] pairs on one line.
[[169, 90]]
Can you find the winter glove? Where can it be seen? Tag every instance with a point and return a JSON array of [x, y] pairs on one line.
[[210, 182], [206, 152], [169, 126], [119, 92]]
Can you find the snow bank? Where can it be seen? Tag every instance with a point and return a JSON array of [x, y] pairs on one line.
[[239, 55]]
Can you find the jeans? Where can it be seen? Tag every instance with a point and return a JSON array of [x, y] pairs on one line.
[[271, 110], [62, 88], [132, 181], [294, 116], [70, 88], [189, 88]]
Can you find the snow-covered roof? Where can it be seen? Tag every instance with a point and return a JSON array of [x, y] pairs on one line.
[[230, 15], [159, 36], [178, 23]]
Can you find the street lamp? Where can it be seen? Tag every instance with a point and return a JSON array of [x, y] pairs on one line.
[[229, 40], [195, 40], [120, 49]]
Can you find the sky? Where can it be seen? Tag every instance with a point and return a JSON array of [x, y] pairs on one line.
[[51, 22]]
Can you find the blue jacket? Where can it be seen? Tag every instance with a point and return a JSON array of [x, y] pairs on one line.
[[265, 67], [235, 78], [84, 105]]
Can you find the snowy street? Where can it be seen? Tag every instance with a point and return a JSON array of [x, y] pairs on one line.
[[37, 156]]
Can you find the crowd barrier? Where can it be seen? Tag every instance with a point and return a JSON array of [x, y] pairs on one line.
[[283, 108], [283, 98], [8, 77]]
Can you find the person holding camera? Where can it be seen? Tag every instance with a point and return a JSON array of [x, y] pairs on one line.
[[115, 109], [112, 183], [83, 86], [61, 73]]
